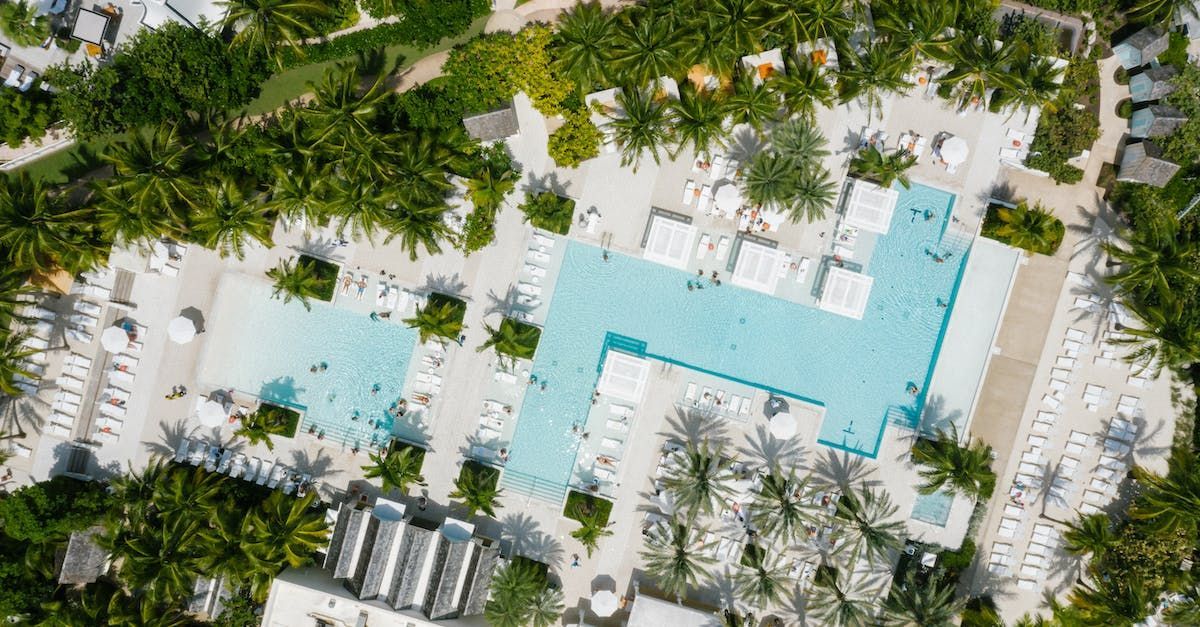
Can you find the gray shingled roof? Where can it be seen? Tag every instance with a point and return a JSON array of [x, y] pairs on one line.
[[1143, 163], [480, 581], [493, 125], [1156, 121], [85, 561], [453, 557], [1141, 47], [1152, 84]]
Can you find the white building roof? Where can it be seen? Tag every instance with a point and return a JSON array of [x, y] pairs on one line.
[[651, 612], [870, 207], [669, 242], [846, 293], [757, 267], [624, 376], [90, 26]]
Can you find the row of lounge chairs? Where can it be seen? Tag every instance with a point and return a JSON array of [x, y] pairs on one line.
[[216, 458]]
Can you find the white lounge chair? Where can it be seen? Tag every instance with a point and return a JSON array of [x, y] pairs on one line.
[[535, 271], [689, 192], [722, 248], [538, 256], [690, 394], [703, 246], [87, 308], [264, 472], [544, 241], [529, 289]]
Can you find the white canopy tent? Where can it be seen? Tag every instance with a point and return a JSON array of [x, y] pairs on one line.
[[624, 376], [846, 293], [669, 242], [757, 267], [870, 207]]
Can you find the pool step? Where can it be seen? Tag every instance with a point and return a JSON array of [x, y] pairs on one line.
[[956, 240], [622, 343], [523, 483]]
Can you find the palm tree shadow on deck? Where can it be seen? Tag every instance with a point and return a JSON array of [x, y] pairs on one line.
[[172, 433], [21, 412], [696, 425], [319, 465], [501, 304], [451, 285], [840, 470], [772, 451], [527, 539]]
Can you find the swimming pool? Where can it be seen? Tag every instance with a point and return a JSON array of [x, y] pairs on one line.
[[933, 508], [266, 348], [860, 370]]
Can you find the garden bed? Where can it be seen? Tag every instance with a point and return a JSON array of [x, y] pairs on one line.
[[579, 504], [325, 272], [994, 228], [549, 211], [517, 339], [279, 420], [458, 306], [484, 475]]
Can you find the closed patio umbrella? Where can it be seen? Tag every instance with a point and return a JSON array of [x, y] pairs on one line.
[[181, 330], [114, 339], [604, 603], [783, 425]]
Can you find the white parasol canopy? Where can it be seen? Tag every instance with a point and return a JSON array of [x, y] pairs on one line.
[[181, 330], [114, 339], [212, 413], [604, 603], [954, 150], [728, 198], [783, 425]]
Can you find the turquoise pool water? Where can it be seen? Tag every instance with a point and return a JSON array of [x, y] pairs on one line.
[[858, 369], [933, 508], [266, 348]]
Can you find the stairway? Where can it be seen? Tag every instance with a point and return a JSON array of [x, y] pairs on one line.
[[529, 485]]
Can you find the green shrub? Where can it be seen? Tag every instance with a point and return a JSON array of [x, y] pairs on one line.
[[576, 141], [327, 274], [1030, 228], [1061, 135], [281, 421], [548, 211], [580, 503], [341, 14], [478, 232], [51, 510], [1125, 109], [1121, 76], [25, 115], [485, 73], [1177, 51]]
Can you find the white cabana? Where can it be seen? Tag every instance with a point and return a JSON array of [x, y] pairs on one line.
[[728, 198], [783, 425], [181, 330], [870, 207], [624, 376], [954, 150], [211, 413], [846, 293], [114, 339], [604, 603], [90, 26], [669, 242], [757, 267], [648, 611]]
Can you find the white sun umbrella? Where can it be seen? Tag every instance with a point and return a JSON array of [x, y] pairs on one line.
[[114, 339], [181, 330], [954, 150], [604, 603], [212, 413], [728, 198], [783, 425]]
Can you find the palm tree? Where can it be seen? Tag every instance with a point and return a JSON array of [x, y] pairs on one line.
[[1172, 501], [340, 115], [699, 119], [133, 493], [770, 179], [1035, 83], [838, 605], [1184, 612], [225, 543], [512, 593], [813, 192], [257, 428], [489, 185], [157, 560], [763, 582], [946, 465], [512, 340], [642, 126], [1031, 228], [591, 527], [440, 318], [700, 480], [152, 188], [796, 22], [884, 169], [929, 604], [398, 469], [187, 493], [477, 488], [1165, 338], [1157, 258], [270, 26], [1113, 601], [751, 103], [800, 141], [287, 531], [644, 48], [300, 191], [924, 29], [357, 209], [295, 280], [868, 511], [980, 64], [737, 24], [676, 557], [781, 507], [1090, 535], [1160, 11], [227, 221], [36, 231], [417, 226], [546, 608], [21, 22], [871, 74], [14, 356], [582, 43], [802, 87]]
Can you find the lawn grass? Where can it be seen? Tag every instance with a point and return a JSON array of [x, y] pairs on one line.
[[293, 83], [281, 421], [63, 166], [579, 504], [327, 274]]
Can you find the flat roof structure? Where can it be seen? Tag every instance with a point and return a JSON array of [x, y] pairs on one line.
[[669, 242], [89, 26], [870, 207], [624, 376], [846, 293], [757, 267], [648, 611]]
